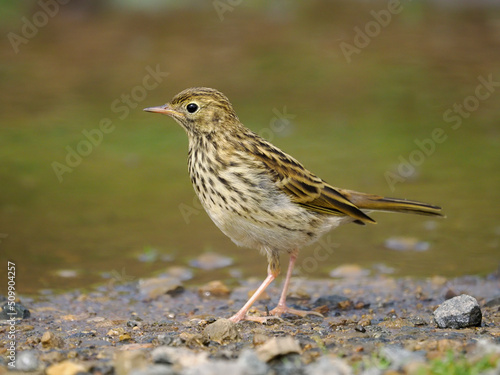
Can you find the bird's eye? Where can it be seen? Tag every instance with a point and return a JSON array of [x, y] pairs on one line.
[[192, 107]]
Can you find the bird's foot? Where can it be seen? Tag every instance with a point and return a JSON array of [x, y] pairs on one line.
[[284, 309], [253, 318], [274, 314]]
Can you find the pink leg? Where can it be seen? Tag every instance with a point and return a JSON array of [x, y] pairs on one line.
[[242, 314], [282, 308]]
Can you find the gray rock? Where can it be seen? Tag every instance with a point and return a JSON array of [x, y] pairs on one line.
[[27, 361], [458, 312]]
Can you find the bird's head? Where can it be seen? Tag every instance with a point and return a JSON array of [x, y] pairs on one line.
[[200, 110]]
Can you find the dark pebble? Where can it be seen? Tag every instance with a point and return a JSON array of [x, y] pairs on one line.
[[17, 311], [360, 328]]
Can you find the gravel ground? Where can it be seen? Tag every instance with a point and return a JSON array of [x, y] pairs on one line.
[[371, 325]]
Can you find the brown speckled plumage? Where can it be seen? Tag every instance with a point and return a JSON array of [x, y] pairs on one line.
[[256, 194]]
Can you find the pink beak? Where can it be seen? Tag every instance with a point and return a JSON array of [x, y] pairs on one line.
[[163, 109]]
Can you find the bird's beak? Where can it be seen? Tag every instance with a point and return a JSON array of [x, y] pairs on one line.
[[163, 109]]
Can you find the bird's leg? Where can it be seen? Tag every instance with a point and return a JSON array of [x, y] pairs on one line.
[[273, 270], [282, 308]]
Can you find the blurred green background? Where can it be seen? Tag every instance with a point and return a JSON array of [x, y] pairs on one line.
[[351, 117]]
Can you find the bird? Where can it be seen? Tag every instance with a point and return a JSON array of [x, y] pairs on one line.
[[261, 197]]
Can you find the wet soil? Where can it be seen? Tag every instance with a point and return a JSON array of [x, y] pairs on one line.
[[362, 317]]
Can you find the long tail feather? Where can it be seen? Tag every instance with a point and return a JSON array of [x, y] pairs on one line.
[[379, 203]]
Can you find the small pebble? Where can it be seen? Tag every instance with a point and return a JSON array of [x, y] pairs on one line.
[[360, 328], [117, 331], [124, 337], [50, 340], [222, 330], [16, 311]]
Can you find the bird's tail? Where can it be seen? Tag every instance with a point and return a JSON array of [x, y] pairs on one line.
[[378, 203]]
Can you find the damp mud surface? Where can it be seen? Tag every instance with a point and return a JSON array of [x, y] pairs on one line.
[[376, 324]]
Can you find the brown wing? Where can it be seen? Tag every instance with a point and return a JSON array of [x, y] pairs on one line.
[[303, 187]]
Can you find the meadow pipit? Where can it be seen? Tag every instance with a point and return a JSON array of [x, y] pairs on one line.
[[259, 196]]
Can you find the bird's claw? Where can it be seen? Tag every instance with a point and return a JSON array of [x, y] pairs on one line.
[[274, 314]]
